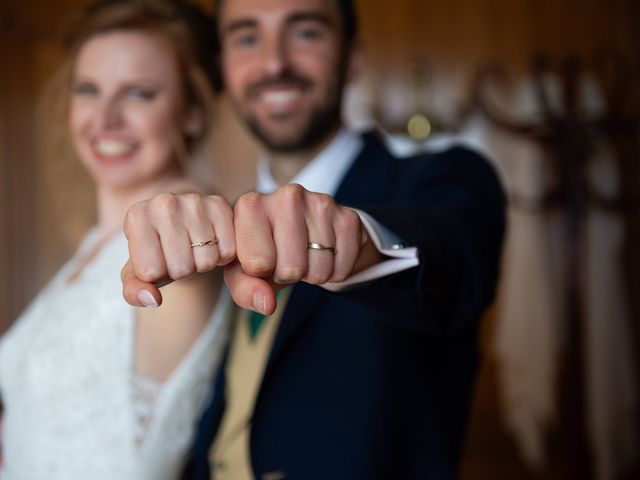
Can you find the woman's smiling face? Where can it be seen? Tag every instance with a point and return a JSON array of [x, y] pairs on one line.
[[127, 109]]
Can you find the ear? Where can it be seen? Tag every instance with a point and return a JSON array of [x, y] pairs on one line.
[[193, 122], [355, 60]]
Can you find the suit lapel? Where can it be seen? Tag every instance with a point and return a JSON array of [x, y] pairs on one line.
[[365, 182]]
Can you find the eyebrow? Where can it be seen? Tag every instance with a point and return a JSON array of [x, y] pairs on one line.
[[239, 25], [310, 16]]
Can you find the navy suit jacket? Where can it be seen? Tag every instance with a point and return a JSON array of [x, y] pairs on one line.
[[375, 383]]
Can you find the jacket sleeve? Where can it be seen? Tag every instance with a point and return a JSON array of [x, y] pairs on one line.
[[452, 207]]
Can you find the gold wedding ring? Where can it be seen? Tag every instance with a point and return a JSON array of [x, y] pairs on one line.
[[204, 244], [319, 246]]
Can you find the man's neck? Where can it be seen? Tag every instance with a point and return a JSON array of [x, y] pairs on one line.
[[285, 166]]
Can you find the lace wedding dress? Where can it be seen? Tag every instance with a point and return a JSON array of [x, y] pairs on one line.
[[74, 408]]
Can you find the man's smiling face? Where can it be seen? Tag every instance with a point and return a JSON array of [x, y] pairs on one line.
[[284, 65]]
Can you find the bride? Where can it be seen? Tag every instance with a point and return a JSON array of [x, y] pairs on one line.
[[92, 388]]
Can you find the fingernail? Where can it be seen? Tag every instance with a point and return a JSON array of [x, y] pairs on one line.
[[146, 299], [259, 303]]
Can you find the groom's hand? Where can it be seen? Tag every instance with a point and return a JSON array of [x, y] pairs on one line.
[[289, 236]]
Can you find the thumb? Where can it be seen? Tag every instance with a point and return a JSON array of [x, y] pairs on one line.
[[136, 292], [251, 293]]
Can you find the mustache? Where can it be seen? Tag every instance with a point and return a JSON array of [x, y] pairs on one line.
[[286, 79]]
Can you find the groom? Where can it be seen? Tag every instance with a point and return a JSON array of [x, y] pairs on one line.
[[363, 366]]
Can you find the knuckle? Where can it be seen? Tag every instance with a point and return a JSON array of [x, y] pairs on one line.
[[150, 273], [193, 201], [162, 198], [351, 216], [318, 278], [290, 273], [323, 204], [292, 190], [136, 216], [207, 265], [178, 272], [339, 277], [257, 266], [249, 202], [291, 195], [348, 222], [227, 254], [217, 204], [192, 198], [215, 200], [167, 205]]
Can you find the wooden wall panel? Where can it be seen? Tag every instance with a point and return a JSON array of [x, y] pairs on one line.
[[462, 32], [19, 245]]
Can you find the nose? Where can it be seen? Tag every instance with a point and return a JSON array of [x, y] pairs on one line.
[[275, 56], [110, 114]]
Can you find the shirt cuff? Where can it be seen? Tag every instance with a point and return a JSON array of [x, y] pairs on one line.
[[402, 257]]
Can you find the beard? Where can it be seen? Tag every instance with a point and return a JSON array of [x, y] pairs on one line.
[[321, 122], [313, 130]]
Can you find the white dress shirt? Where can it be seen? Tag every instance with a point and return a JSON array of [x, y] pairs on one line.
[[324, 174]]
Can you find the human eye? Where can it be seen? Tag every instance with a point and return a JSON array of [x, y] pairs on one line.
[[82, 88], [308, 32], [141, 93], [244, 40]]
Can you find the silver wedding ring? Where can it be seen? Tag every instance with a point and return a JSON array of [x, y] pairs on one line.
[[319, 246], [204, 244]]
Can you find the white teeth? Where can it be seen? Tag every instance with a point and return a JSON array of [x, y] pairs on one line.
[[113, 148], [280, 96]]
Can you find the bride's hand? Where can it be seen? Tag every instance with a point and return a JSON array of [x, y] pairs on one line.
[[172, 237]]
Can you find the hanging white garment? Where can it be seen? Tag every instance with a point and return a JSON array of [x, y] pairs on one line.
[[530, 332], [67, 382], [613, 400]]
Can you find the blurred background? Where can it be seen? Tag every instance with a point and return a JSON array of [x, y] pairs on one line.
[[550, 91]]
